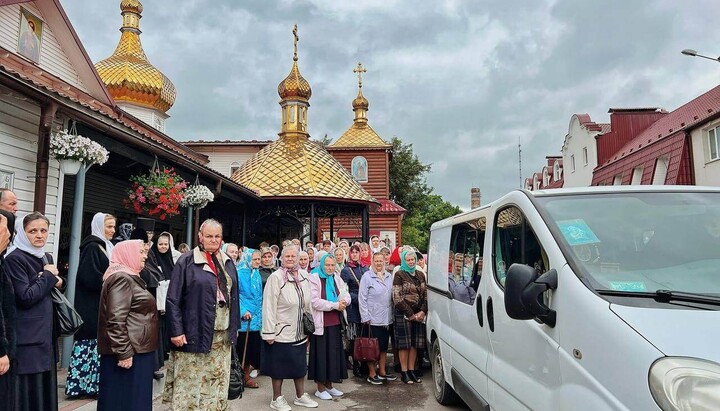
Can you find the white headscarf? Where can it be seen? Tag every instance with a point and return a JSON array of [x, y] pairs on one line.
[[175, 253], [97, 228], [22, 242]]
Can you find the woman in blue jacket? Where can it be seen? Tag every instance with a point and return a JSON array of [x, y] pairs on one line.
[[251, 294]]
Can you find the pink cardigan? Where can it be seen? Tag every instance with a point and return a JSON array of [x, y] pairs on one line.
[[319, 305]]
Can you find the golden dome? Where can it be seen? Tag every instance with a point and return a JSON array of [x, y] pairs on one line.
[[127, 74], [297, 167], [360, 101], [294, 86]]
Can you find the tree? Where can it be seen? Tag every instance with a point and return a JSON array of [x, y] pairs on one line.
[[408, 188], [408, 185], [416, 227]]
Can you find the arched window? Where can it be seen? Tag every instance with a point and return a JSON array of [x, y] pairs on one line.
[[556, 171], [546, 177], [235, 166]]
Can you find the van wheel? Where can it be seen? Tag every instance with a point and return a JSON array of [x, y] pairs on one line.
[[444, 394]]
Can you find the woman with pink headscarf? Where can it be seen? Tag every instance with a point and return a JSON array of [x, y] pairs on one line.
[[127, 332]]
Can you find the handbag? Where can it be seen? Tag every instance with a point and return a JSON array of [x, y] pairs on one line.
[[367, 349], [236, 387], [68, 320], [308, 324], [161, 294]]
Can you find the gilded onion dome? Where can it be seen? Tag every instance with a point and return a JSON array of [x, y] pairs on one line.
[[127, 74], [294, 86], [360, 134]]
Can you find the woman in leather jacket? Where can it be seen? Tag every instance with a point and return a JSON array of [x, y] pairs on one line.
[[127, 332]]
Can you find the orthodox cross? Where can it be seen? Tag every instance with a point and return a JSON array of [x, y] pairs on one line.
[[360, 70], [295, 42]]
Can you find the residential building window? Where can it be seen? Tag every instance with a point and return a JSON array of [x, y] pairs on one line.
[[536, 182], [585, 156], [617, 180], [556, 171], [637, 175], [713, 144], [572, 163], [546, 177], [661, 168], [235, 166]]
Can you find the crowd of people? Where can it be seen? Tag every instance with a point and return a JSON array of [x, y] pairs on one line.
[[287, 312]]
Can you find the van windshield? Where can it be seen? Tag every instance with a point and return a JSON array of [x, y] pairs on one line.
[[642, 242]]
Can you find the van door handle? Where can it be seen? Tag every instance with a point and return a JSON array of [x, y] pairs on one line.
[[491, 317], [479, 309]]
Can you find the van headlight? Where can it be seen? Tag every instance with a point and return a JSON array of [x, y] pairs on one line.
[[684, 384]]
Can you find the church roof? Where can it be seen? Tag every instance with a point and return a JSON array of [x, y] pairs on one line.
[[359, 135], [127, 74], [297, 167]]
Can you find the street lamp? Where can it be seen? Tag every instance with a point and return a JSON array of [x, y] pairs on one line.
[[694, 53]]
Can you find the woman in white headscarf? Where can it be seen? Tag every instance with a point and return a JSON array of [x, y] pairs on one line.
[[95, 253]]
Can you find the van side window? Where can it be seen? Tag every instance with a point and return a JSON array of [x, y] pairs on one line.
[[516, 242], [464, 259]]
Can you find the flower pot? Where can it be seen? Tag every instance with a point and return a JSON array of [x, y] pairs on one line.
[[70, 167]]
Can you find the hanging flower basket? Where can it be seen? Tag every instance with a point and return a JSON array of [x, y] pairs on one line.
[[158, 193], [197, 196], [73, 150]]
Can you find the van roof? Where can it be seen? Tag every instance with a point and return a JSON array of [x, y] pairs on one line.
[[586, 190]]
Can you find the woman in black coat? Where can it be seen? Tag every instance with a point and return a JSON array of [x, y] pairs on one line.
[[95, 251], [351, 274], [7, 317], [33, 277]]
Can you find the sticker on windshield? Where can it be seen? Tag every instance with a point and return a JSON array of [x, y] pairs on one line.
[[632, 286], [577, 232]]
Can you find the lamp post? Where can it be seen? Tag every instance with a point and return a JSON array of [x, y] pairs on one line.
[[694, 53]]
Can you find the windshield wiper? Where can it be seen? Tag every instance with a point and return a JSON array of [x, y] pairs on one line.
[[666, 296]]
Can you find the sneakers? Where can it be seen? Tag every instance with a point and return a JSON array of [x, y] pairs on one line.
[[334, 392], [305, 401], [389, 377], [323, 395], [254, 374], [374, 380], [279, 404]]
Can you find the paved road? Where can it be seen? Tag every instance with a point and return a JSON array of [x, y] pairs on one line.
[[359, 395]]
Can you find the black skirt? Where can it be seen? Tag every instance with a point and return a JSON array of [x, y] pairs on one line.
[[327, 357], [282, 361], [7, 388], [37, 391], [254, 344], [126, 389]]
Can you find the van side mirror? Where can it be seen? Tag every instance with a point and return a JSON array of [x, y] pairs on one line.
[[524, 294]]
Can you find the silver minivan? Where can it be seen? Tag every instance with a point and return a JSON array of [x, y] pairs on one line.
[[602, 298]]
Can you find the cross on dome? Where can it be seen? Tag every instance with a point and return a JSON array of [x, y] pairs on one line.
[[295, 42], [360, 70]]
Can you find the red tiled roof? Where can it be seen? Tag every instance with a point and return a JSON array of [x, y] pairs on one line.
[[685, 117], [604, 128], [389, 207]]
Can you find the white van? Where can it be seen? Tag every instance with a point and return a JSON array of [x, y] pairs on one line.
[[602, 298]]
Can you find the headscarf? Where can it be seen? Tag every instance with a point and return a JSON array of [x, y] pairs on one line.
[[245, 260], [350, 262], [22, 242], [330, 292], [289, 271], [340, 264], [97, 228], [126, 258], [166, 261], [404, 265], [366, 261], [175, 253], [314, 261], [300, 254], [264, 251]]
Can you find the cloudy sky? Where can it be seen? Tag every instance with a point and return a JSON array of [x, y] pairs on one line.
[[460, 80]]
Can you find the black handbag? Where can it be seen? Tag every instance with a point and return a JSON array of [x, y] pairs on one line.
[[236, 387], [308, 324], [68, 320]]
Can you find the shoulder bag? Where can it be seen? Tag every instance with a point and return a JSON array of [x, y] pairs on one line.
[[68, 320]]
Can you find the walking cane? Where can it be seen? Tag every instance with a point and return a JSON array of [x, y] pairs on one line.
[[247, 335]]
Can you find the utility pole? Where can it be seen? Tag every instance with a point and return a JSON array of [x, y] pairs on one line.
[[520, 162]]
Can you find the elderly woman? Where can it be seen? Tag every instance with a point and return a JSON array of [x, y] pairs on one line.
[[251, 294], [410, 300], [365, 255], [340, 259], [376, 313], [327, 363], [33, 277], [232, 250], [286, 298], [304, 261], [127, 332], [203, 315], [95, 252], [267, 264], [312, 256], [351, 275]]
